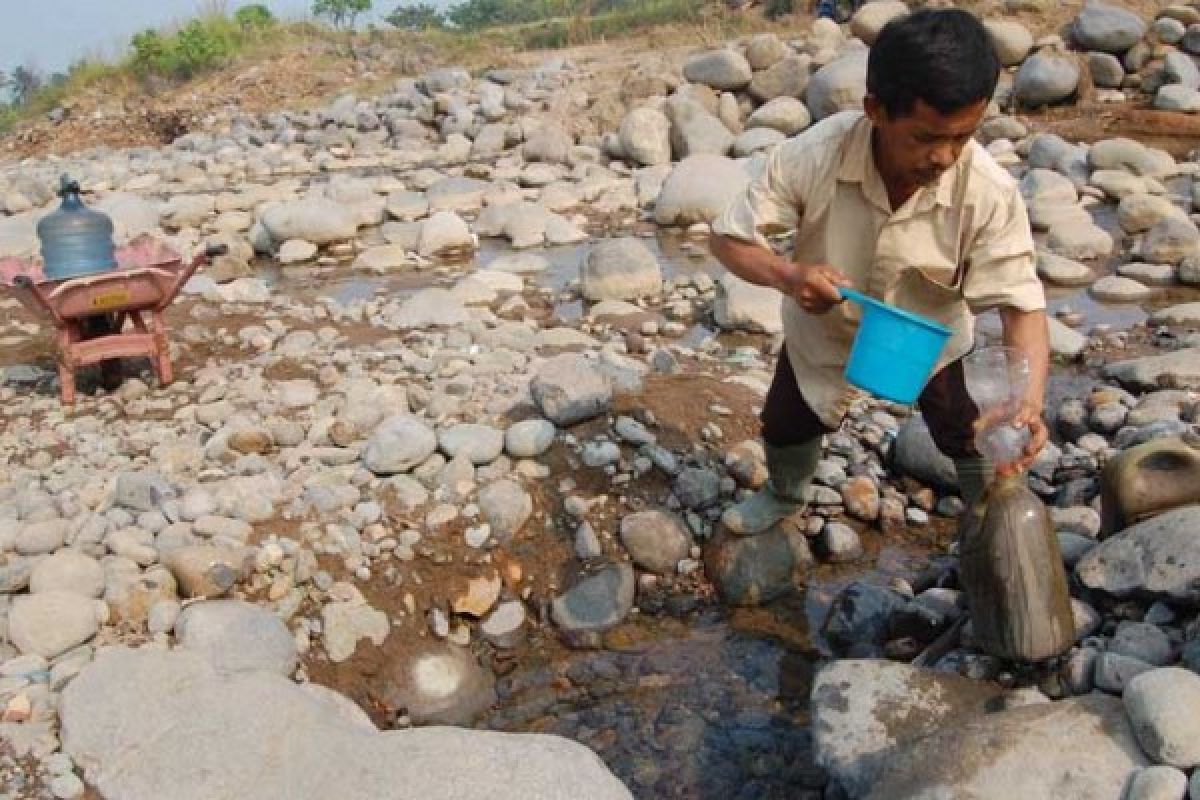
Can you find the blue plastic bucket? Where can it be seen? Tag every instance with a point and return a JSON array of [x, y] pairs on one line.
[[894, 352]]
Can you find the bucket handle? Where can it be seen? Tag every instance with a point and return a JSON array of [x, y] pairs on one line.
[[854, 295]]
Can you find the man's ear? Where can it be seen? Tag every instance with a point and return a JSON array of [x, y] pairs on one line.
[[874, 109]]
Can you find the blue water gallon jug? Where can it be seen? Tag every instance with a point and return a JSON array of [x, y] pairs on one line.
[[76, 240]]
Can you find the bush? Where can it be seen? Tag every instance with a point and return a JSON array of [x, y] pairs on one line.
[[198, 46], [254, 17]]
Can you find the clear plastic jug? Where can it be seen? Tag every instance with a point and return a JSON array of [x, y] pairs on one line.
[[997, 378]]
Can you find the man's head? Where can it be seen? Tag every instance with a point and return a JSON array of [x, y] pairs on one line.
[[930, 76]]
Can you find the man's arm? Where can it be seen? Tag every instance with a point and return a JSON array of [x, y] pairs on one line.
[[812, 286], [1027, 332]]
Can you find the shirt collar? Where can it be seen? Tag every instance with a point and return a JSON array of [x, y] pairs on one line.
[[858, 166]]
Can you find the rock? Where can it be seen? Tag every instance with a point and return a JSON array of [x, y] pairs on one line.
[[862, 710], [1158, 783], [407, 206], [914, 453], [49, 624], [400, 443], [480, 596], [429, 308], [1012, 40], [839, 85], [1064, 341], [529, 438], [1164, 710], [443, 233], [1076, 749], [1106, 70], [1148, 274], [1142, 640], [505, 626], [1171, 240], [1184, 314], [1127, 154], [696, 131], [235, 636], [204, 570], [722, 69], [859, 615], [1080, 239], [39, 538], [440, 684], [1180, 68], [549, 144], [142, 491], [506, 507], [645, 136], [1111, 29], [597, 602], [1156, 557], [698, 190], [756, 140], [871, 17], [345, 623], [313, 219], [840, 543], [569, 389], [784, 114], [752, 570], [620, 269], [1174, 97], [1141, 212], [740, 305], [140, 724], [68, 571], [765, 50], [656, 541], [1177, 369], [481, 444], [1118, 289], [1062, 271], [1045, 78], [788, 78]]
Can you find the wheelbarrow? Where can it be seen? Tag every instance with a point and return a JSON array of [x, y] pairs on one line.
[[112, 315]]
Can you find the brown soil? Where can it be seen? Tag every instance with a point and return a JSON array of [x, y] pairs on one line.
[[1178, 134]]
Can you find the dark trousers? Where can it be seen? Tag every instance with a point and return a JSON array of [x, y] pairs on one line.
[[948, 410]]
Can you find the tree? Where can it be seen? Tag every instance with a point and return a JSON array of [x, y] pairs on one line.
[[340, 11], [254, 16], [24, 84], [416, 17]]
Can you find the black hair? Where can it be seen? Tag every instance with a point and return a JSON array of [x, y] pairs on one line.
[[943, 57]]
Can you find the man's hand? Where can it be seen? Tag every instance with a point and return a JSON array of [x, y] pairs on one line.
[[814, 287], [1029, 415]]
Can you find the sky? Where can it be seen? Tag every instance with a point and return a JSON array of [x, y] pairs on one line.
[[51, 34]]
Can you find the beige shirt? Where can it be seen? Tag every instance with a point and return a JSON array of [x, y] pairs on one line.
[[955, 248]]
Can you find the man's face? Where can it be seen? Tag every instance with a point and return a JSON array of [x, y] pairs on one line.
[[919, 146]]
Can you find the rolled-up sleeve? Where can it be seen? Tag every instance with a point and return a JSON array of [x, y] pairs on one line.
[[1002, 261], [771, 203]]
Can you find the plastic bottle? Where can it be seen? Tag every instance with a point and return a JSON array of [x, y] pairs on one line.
[[1013, 576]]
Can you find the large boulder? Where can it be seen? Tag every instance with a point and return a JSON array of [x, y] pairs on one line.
[[699, 189], [725, 69], [870, 19], [839, 85], [620, 269], [1159, 557], [863, 709], [1012, 40], [1164, 708], [1111, 29], [740, 305], [645, 137], [570, 388], [694, 130], [785, 114], [1178, 369], [1076, 749], [313, 219], [915, 454], [1046, 77], [788, 78], [149, 724]]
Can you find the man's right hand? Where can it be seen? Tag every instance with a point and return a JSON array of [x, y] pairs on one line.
[[814, 287]]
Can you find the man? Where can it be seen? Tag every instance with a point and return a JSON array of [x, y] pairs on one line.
[[898, 201]]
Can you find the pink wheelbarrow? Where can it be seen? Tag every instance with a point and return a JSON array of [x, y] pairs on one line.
[[111, 315]]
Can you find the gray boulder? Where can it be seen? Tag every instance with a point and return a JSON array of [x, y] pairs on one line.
[[914, 453], [400, 443], [1012, 40], [1111, 29], [1164, 710], [1159, 557], [788, 78], [1180, 68], [313, 219], [1179, 369], [235, 636], [1076, 749], [694, 130], [140, 725], [1106, 70], [862, 709], [597, 601], [699, 189], [1174, 97], [785, 114], [656, 541], [740, 305], [620, 269], [570, 388], [839, 85], [871, 17], [1045, 78], [725, 69], [645, 136]]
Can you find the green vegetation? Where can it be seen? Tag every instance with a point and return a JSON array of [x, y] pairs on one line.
[[200, 45], [417, 17], [340, 12]]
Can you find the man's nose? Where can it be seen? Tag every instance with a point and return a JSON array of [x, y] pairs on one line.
[[944, 155]]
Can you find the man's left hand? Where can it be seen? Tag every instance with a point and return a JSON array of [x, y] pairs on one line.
[[1029, 415]]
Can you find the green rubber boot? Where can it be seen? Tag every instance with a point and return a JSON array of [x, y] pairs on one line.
[[791, 470]]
